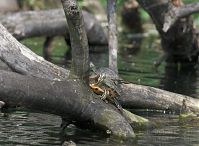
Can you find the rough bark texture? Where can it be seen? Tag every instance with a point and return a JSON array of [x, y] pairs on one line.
[[179, 11], [17, 90], [84, 105], [180, 42], [145, 97], [79, 42], [67, 98], [8, 6], [21, 59], [112, 34], [31, 23], [132, 96]]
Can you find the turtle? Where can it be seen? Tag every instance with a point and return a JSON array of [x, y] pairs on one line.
[[104, 82]]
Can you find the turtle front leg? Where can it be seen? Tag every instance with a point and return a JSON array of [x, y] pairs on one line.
[[100, 79], [105, 95]]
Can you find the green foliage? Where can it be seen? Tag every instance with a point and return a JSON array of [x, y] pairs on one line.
[[189, 1]]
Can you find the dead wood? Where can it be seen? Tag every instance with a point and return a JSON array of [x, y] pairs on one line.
[[31, 24], [180, 42]]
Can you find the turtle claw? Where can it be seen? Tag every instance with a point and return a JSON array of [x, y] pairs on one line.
[[104, 95], [101, 78]]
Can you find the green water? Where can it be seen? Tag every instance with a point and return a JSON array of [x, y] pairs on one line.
[[23, 128]]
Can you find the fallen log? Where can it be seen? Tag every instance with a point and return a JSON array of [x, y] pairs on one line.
[[26, 56], [50, 23], [145, 97], [22, 60], [133, 96], [70, 99]]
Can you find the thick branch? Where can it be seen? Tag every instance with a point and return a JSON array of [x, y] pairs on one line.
[[70, 99], [145, 97], [44, 95], [112, 36], [132, 96], [175, 13], [23, 60], [50, 23], [180, 42], [79, 42]]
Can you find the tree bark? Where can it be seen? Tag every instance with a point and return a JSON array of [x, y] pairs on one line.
[[22, 60], [180, 42], [109, 118], [112, 34], [79, 42], [177, 12], [145, 97], [8, 6], [31, 24], [133, 96], [69, 98]]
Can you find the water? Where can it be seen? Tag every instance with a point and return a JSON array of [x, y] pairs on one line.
[[23, 127]]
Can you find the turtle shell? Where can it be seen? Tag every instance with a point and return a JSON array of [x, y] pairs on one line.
[[109, 73], [111, 78]]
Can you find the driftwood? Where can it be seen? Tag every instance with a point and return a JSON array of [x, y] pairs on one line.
[[31, 24], [15, 54], [25, 62], [145, 97], [67, 99]]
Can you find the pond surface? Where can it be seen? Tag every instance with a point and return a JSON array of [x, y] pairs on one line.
[[23, 128]]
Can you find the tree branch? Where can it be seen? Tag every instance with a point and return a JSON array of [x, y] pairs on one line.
[[79, 42], [180, 42], [145, 97], [21, 59], [133, 96], [112, 34], [50, 23], [175, 13], [69, 98]]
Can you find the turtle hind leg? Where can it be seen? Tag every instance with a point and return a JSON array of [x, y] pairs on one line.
[[104, 95]]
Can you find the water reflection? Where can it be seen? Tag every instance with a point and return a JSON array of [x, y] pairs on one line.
[[22, 128], [180, 78]]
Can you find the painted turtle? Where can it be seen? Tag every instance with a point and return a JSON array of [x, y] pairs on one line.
[[104, 82]]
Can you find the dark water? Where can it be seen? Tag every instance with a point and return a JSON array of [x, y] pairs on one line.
[[38, 129]]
